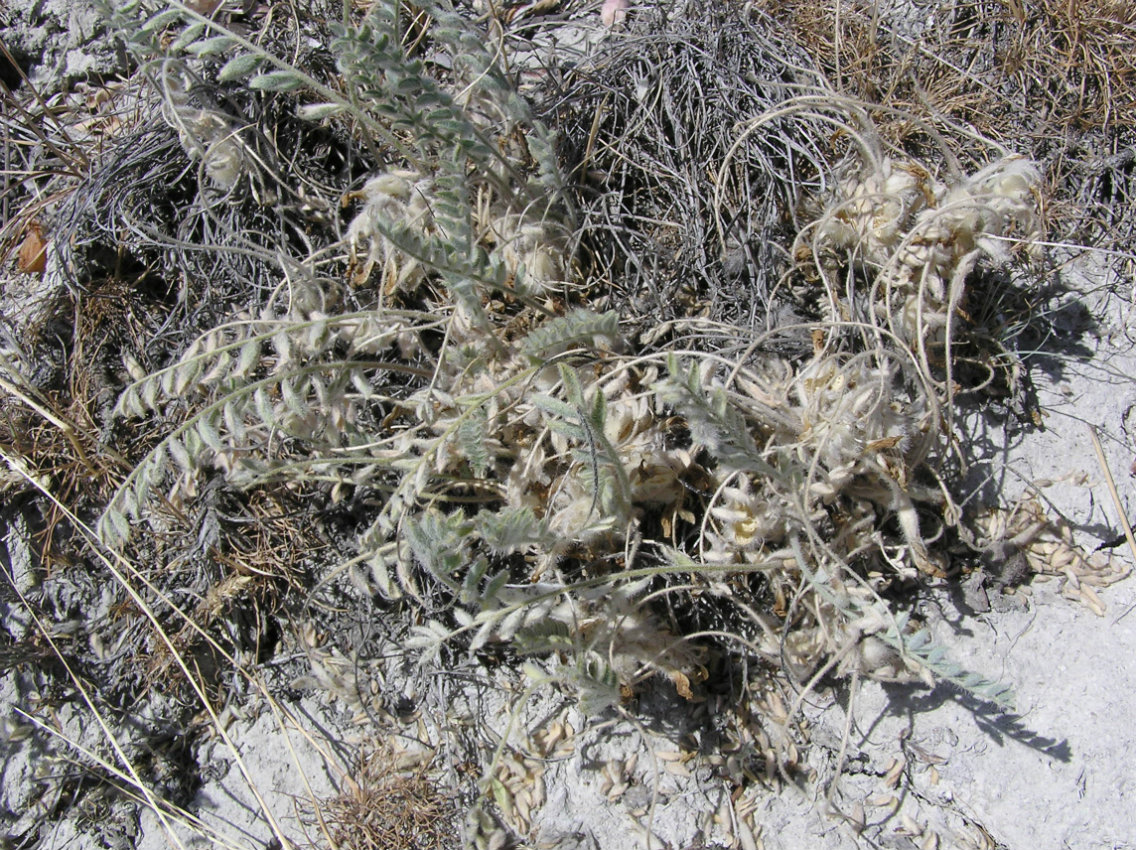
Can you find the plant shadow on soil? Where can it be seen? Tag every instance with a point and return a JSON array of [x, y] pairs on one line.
[[1000, 725], [1050, 343]]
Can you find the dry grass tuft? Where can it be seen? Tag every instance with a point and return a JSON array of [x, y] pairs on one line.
[[391, 801], [997, 64], [1076, 62], [649, 123], [1048, 79]]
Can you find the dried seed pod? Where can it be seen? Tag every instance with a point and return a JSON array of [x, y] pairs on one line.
[[33, 250]]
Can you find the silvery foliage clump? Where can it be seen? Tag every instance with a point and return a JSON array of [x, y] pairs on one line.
[[542, 481]]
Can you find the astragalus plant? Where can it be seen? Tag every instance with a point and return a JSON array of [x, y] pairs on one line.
[[532, 475]]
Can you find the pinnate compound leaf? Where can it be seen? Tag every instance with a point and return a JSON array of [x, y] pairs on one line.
[[471, 438], [212, 46], [277, 81], [579, 329], [162, 20], [239, 67], [319, 111], [510, 529]]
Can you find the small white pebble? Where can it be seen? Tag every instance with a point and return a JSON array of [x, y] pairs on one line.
[[614, 12]]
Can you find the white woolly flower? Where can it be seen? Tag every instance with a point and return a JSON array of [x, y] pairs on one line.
[[398, 198], [595, 496], [208, 136], [848, 414], [745, 523], [534, 253], [921, 236], [875, 211], [653, 471]]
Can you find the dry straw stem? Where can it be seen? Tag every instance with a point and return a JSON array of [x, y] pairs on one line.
[[119, 567], [58, 447], [36, 147], [135, 781], [134, 789], [49, 144], [1120, 512], [24, 395], [1089, 44]]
